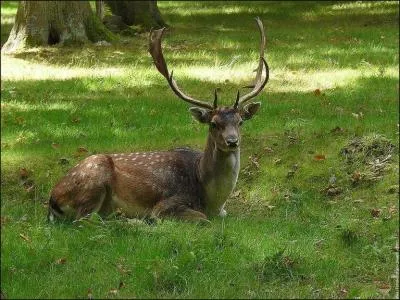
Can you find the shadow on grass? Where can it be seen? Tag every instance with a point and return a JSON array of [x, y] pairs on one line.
[[72, 106], [349, 36]]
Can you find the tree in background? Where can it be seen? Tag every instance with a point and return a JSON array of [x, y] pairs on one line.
[[139, 13], [40, 23]]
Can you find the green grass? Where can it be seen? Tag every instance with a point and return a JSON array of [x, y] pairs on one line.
[[284, 237]]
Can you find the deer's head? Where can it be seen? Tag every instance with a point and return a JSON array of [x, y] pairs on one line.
[[224, 122]]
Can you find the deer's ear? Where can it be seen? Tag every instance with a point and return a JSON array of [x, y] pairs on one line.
[[249, 110], [201, 114]]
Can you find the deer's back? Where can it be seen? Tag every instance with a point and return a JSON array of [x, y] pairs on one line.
[[134, 182], [157, 174]]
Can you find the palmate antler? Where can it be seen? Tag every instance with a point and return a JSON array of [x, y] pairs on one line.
[[259, 83], [158, 58]]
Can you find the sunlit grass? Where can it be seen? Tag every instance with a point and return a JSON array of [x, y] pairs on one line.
[[19, 69], [282, 80], [367, 6], [334, 77]]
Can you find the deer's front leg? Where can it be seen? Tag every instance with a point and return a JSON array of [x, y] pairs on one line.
[[177, 206]]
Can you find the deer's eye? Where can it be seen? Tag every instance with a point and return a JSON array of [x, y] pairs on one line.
[[213, 124]]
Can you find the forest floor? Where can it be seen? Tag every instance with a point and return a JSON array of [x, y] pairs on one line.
[[315, 212]]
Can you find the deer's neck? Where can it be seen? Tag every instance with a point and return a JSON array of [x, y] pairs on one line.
[[218, 173]]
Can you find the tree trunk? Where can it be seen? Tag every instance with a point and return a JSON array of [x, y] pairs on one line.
[[40, 23], [139, 13], [100, 9]]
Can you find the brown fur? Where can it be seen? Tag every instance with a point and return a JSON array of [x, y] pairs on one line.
[[182, 183]]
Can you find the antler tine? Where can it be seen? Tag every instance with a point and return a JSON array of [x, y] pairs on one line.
[[215, 105], [259, 83], [236, 105], [158, 58]]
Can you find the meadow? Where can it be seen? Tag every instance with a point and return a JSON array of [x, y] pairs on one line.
[[315, 213]]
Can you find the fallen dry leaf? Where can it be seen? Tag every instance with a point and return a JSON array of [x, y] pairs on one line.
[[343, 292], [358, 116], [29, 185], [332, 190], [337, 129], [254, 161], [268, 149], [356, 177], [82, 150], [61, 261], [383, 287], [123, 269], [319, 157], [25, 237], [89, 294], [375, 212], [23, 173], [317, 92], [113, 292], [55, 145]]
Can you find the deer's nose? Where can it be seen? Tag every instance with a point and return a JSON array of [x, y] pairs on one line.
[[232, 141]]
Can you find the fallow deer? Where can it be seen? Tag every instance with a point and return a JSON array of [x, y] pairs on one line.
[[182, 183]]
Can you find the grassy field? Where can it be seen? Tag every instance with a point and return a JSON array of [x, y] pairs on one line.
[[315, 211]]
